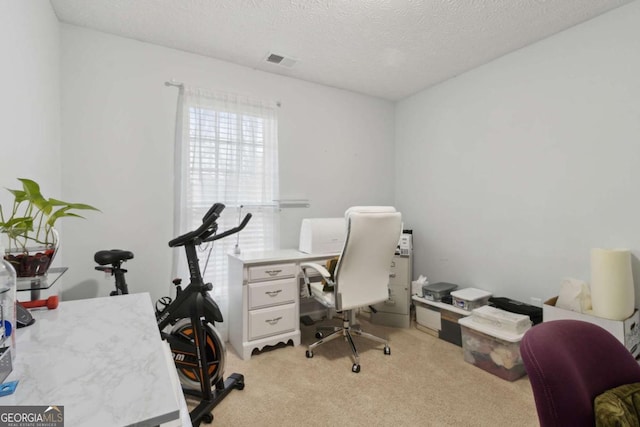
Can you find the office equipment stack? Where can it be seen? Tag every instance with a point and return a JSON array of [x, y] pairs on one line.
[[439, 311]]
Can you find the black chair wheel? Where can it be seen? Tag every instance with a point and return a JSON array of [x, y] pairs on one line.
[[319, 335], [309, 354], [355, 368], [240, 385], [387, 350]]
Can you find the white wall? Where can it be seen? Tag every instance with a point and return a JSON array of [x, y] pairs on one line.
[[30, 102], [511, 173], [336, 148]]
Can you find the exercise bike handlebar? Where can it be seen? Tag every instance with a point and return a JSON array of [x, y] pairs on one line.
[[208, 221], [231, 231], [208, 228], [215, 211]]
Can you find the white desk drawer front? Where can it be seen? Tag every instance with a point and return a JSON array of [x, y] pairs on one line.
[[274, 292], [268, 272], [272, 321]]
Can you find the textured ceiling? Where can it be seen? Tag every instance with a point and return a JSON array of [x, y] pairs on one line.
[[385, 48]]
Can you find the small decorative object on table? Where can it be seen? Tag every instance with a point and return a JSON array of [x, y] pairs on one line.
[[30, 239]]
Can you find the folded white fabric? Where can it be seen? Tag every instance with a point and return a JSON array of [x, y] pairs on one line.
[[575, 295]]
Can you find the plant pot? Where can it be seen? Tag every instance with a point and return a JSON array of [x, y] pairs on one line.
[[32, 262]]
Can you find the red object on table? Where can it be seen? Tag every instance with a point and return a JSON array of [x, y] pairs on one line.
[[51, 303]]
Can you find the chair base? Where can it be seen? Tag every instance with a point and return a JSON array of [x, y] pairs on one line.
[[346, 332]]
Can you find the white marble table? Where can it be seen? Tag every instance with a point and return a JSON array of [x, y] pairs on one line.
[[102, 359]]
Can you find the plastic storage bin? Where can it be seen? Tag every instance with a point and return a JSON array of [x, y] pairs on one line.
[[436, 291], [470, 298], [493, 350], [501, 319]]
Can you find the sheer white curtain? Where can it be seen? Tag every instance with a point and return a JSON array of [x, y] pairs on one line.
[[226, 152]]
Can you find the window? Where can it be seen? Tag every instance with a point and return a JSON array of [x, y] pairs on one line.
[[226, 153]]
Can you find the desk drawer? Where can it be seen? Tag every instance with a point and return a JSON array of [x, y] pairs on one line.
[[273, 292], [269, 272], [400, 271], [272, 321]]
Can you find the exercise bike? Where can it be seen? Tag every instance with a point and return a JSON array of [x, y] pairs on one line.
[[115, 257], [197, 348]]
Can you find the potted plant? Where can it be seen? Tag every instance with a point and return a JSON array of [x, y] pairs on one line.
[[30, 237]]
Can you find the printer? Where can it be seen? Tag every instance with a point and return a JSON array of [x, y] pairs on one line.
[[322, 235]]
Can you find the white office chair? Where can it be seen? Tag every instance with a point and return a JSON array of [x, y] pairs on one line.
[[361, 277]]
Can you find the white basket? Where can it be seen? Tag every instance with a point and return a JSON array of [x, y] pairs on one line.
[[470, 298]]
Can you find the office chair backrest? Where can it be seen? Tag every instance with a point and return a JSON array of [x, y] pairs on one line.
[[362, 273], [569, 363]]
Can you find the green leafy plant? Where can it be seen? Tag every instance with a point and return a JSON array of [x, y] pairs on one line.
[[32, 218]]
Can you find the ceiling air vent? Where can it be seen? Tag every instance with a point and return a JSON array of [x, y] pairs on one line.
[[281, 60]]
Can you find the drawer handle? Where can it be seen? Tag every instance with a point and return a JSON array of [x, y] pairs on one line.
[[273, 321], [273, 293], [273, 272], [392, 274]]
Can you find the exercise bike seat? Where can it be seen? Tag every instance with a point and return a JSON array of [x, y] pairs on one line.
[[112, 256]]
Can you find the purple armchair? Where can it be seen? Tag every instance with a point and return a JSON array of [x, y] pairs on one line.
[[569, 363]]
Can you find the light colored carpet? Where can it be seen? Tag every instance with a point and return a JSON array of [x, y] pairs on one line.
[[424, 381]]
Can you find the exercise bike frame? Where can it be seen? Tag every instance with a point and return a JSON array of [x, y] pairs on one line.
[[195, 303]]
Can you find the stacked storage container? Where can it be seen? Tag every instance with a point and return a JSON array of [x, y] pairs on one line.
[[437, 291], [491, 341], [470, 298]]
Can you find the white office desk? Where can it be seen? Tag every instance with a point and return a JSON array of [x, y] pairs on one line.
[[264, 298], [102, 359]]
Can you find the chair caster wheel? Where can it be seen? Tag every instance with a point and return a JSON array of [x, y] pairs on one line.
[[387, 350], [309, 354], [207, 418], [355, 368], [319, 335], [240, 385]]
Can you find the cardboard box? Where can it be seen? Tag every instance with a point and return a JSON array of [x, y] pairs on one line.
[[626, 331]]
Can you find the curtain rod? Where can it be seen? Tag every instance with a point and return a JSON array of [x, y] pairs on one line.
[[181, 86], [174, 84]]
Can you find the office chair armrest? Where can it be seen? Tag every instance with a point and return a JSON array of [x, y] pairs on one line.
[[319, 268]]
